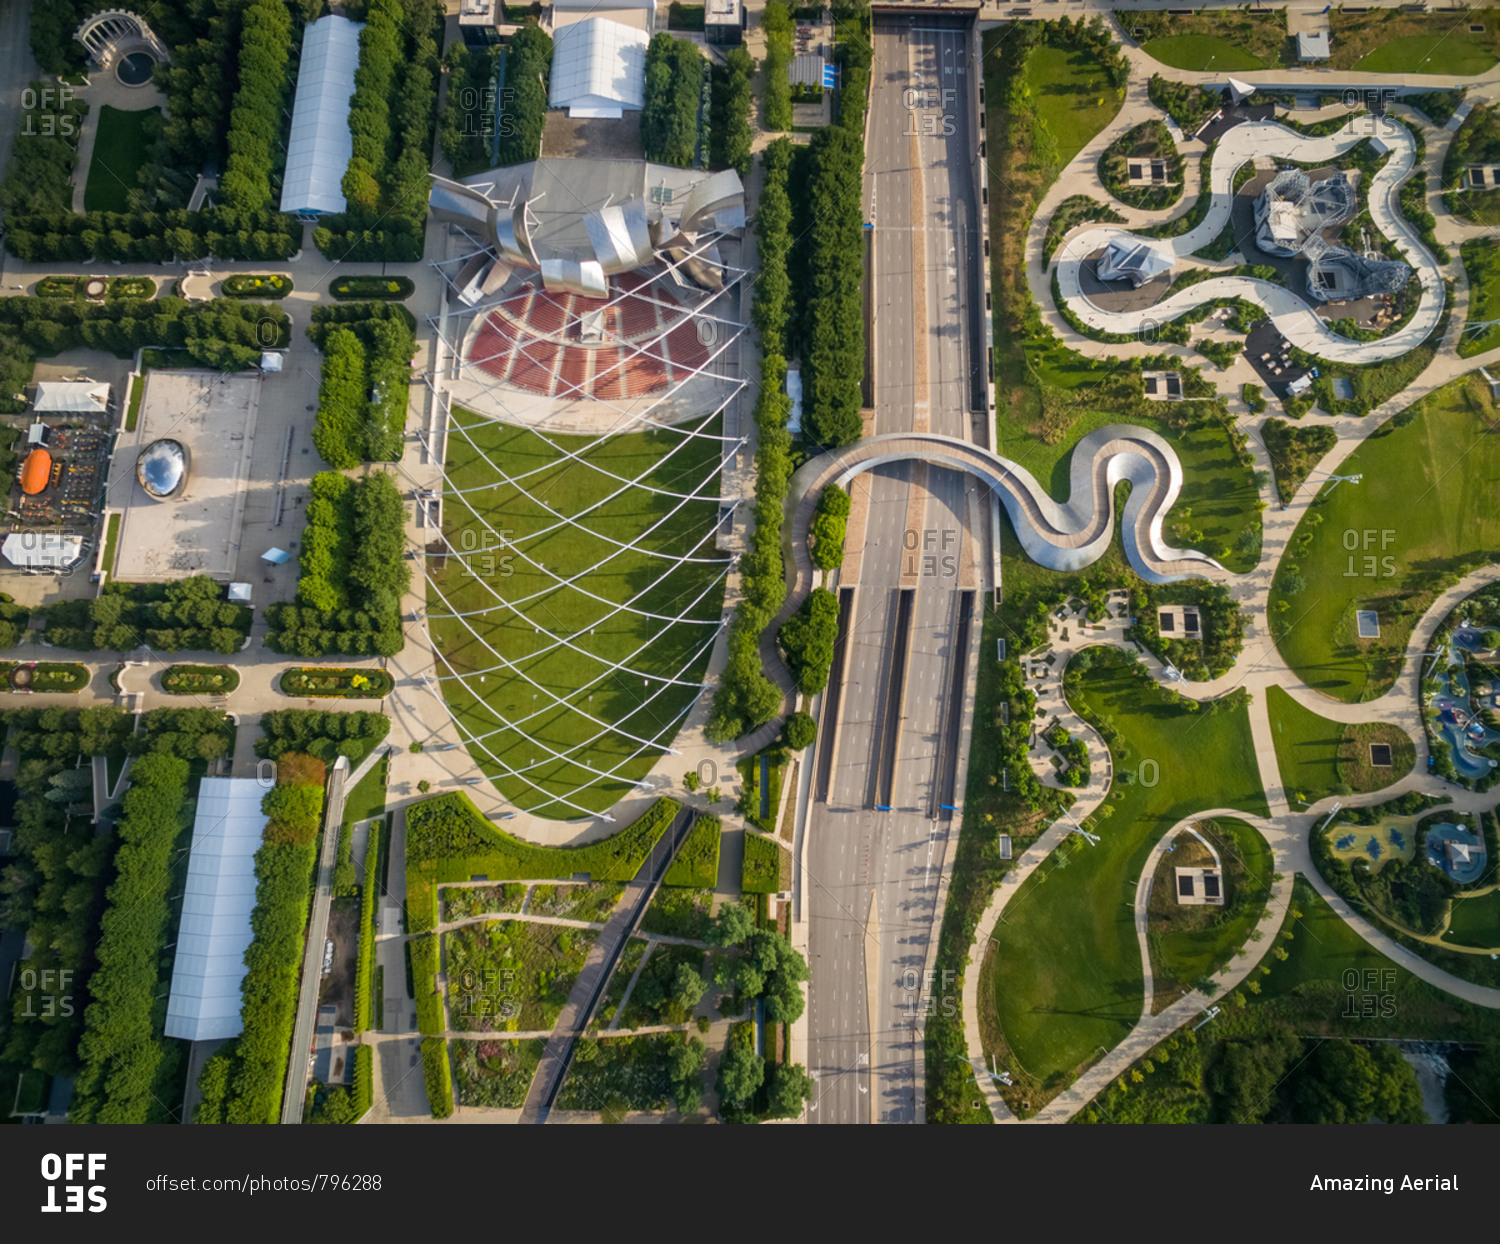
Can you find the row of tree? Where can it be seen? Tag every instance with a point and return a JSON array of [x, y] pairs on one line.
[[152, 237], [355, 559], [674, 88], [122, 1046], [224, 333], [39, 176], [776, 101], [523, 100], [363, 399], [255, 123], [745, 697], [169, 617], [467, 128], [391, 112], [731, 132], [319, 732], [243, 1083]]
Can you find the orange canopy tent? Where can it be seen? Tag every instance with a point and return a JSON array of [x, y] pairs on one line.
[[36, 472]]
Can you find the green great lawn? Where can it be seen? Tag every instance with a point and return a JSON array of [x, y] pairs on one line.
[[500, 599], [1066, 967], [1072, 96], [1307, 747], [120, 149], [1200, 52], [1219, 492], [1475, 921], [1427, 497], [1482, 264], [1442, 52]]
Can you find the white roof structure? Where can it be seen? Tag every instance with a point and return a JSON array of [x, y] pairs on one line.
[[1240, 91], [1126, 259], [317, 155], [1313, 45], [240, 593], [57, 397], [217, 901], [271, 360], [598, 69], [41, 550]]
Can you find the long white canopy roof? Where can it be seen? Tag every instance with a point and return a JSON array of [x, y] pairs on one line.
[[599, 68], [219, 896], [317, 155]]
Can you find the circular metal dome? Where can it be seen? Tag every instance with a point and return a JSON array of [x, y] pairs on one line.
[[162, 469]]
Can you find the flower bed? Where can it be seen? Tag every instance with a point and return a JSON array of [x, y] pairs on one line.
[[332, 683], [57, 287], [132, 287], [257, 285], [199, 680], [43, 676], [386, 288]]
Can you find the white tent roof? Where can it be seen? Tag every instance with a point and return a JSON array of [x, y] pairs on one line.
[[41, 550], [217, 901], [240, 592], [318, 154], [277, 557], [598, 68], [70, 396], [1240, 91]]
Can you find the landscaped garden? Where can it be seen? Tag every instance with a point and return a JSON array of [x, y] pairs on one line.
[[511, 975], [1147, 142], [762, 774], [1318, 758], [382, 288], [464, 902], [257, 285], [767, 868], [1189, 944], [547, 596], [43, 676], [496, 1074], [1392, 41], [614, 1075], [94, 289], [1418, 519], [199, 679], [697, 862], [341, 684], [1062, 981], [1481, 258]]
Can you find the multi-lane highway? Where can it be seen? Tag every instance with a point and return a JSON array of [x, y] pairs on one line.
[[918, 560]]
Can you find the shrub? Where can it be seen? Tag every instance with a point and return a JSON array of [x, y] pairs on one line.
[[364, 964], [437, 1074], [828, 528], [798, 731], [808, 637]]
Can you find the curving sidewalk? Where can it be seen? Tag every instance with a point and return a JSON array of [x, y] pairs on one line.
[[1292, 313]]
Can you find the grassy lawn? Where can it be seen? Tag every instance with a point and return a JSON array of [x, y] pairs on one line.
[[750, 800], [1072, 95], [1482, 264], [767, 866], [1221, 40], [511, 727], [1189, 943], [112, 536], [1200, 52], [1318, 757], [1390, 41], [367, 799], [1064, 961], [1220, 493], [1475, 921], [1425, 498], [120, 149]]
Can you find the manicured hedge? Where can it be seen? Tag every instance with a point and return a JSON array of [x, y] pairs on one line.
[[523, 110], [255, 120], [199, 679], [732, 133], [353, 572], [383, 288], [674, 86], [437, 1074], [256, 285], [122, 1046], [697, 864], [337, 684], [364, 963]]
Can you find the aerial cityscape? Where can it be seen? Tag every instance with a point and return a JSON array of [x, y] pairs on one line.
[[929, 562]]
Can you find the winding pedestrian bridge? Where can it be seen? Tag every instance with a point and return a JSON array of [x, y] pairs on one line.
[[1066, 535], [1292, 313]]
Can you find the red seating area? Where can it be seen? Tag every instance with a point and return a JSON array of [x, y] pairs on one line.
[[532, 342]]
